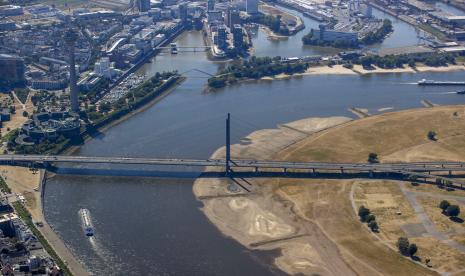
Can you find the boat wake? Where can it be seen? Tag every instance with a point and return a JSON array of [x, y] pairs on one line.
[[443, 93]]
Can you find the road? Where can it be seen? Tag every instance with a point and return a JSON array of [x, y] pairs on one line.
[[426, 170]]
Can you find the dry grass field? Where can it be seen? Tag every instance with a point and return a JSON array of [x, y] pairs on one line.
[[397, 136]]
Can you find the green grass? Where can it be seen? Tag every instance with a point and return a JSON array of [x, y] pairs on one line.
[[433, 31], [24, 214], [3, 186]]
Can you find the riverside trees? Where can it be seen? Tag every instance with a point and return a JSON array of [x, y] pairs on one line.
[[255, 68]]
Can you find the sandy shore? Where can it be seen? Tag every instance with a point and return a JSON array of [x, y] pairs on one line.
[[358, 70], [258, 219], [449, 68], [23, 181]]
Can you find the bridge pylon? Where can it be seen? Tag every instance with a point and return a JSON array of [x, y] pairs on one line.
[[228, 145]]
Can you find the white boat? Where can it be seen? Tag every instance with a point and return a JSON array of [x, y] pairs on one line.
[[86, 222]]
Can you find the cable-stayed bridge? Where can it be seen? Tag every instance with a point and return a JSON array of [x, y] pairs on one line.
[[446, 172]]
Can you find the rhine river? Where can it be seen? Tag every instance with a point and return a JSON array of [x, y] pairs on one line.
[[147, 226]]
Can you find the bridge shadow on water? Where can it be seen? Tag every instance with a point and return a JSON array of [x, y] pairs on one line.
[[233, 175], [210, 174]]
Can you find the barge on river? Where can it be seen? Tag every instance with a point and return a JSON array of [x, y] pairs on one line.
[[86, 223], [439, 83]]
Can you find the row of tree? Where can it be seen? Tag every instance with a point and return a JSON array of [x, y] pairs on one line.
[[369, 218], [450, 210], [255, 68], [272, 22], [399, 61], [406, 248]]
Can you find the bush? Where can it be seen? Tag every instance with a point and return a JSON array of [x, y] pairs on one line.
[[432, 135], [363, 212], [453, 210], [403, 245], [444, 205], [373, 158], [412, 249], [373, 226], [369, 218]]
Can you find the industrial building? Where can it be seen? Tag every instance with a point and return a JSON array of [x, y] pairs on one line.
[[332, 35]]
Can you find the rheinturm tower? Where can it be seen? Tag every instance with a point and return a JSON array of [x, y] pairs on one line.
[[70, 38]]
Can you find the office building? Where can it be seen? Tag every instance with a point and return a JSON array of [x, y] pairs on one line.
[[210, 5], [70, 38], [233, 18], [11, 68], [144, 5], [238, 36], [251, 6], [222, 37]]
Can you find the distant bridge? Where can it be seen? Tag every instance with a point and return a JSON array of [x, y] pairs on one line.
[[185, 48]]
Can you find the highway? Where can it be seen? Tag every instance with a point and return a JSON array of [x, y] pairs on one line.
[[14, 159], [425, 170]]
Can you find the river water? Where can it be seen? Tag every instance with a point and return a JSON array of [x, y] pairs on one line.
[[147, 226]]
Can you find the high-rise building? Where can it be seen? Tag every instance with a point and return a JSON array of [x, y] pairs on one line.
[[183, 12], [11, 68], [143, 5], [233, 18], [238, 36], [222, 37], [251, 6], [70, 38], [210, 5]]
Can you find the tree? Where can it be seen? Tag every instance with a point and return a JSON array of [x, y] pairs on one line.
[[363, 212], [432, 135], [373, 226], [403, 244], [453, 210], [373, 158], [412, 249], [369, 218], [444, 205]]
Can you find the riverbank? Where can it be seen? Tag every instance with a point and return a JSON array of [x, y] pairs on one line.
[[256, 219], [312, 222], [297, 22], [32, 185], [359, 70], [24, 182]]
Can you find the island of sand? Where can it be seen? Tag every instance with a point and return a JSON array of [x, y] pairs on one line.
[[314, 223]]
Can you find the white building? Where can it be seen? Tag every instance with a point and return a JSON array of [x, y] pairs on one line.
[[332, 35], [105, 68]]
